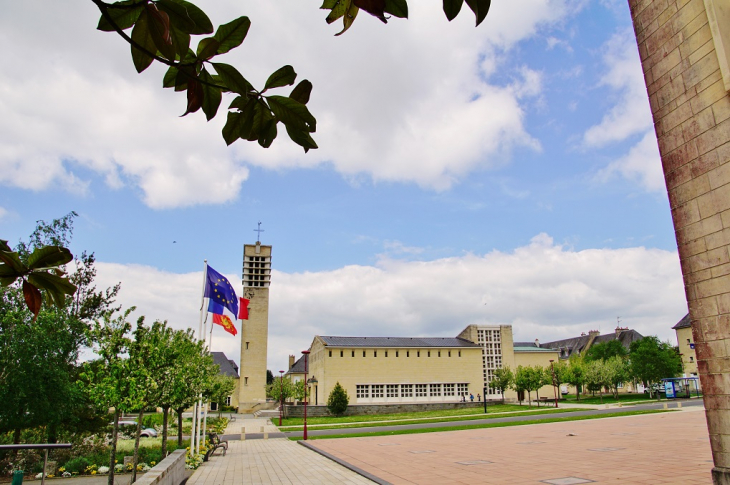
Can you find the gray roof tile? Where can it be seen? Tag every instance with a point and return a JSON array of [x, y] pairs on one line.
[[683, 323]]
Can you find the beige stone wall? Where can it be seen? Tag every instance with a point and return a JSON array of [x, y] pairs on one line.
[[691, 111], [539, 358], [401, 366], [689, 358], [254, 342]]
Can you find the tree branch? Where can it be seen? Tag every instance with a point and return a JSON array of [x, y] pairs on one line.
[[177, 65]]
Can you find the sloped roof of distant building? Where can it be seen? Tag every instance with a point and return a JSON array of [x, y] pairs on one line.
[[227, 366], [397, 342], [683, 323]]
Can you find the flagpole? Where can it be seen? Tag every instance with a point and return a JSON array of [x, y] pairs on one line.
[[194, 440], [207, 403]]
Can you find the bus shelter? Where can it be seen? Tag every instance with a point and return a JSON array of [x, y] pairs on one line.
[[676, 387]]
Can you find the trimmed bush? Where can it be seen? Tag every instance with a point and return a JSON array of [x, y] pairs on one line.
[[77, 465], [338, 400]]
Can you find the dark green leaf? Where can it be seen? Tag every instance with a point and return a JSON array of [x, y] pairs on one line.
[[249, 113], [397, 8], [181, 41], [239, 102], [232, 129], [49, 256], [49, 281], [231, 35], [261, 119], [11, 259], [141, 35], [124, 18], [329, 4], [284, 76], [268, 133], [376, 8], [182, 78], [169, 80], [207, 48], [198, 22], [338, 11], [349, 18], [179, 18], [211, 96], [301, 138], [4, 246], [480, 8], [301, 92], [452, 8], [292, 113], [7, 280], [232, 78]]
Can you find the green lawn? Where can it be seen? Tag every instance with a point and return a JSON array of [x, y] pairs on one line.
[[488, 425], [525, 411], [609, 399], [497, 408]]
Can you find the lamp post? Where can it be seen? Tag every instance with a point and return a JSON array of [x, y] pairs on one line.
[[555, 389], [281, 395], [306, 359]]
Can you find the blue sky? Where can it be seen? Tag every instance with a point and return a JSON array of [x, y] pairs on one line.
[[505, 174]]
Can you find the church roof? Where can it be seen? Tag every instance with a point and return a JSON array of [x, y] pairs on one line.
[[683, 323], [227, 366], [393, 342]]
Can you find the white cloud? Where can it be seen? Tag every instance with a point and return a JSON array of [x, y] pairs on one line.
[[545, 290], [642, 164], [631, 114], [411, 101]]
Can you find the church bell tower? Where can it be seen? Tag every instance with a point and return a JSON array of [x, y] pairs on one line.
[[254, 335]]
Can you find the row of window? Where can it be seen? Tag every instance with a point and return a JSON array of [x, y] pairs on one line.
[[365, 391], [384, 353]]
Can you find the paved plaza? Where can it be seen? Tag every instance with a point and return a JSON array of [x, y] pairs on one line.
[[667, 448]]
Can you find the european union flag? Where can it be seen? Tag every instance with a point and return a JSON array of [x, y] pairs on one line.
[[220, 291]]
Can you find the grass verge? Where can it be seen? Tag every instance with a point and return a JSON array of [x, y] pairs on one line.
[[445, 419], [489, 425]]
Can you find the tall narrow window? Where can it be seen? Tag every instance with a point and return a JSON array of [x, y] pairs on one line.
[[396, 353], [375, 353], [342, 353], [418, 353], [363, 353], [439, 353], [330, 353], [353, 353], [449, 353], [386, 353], [429, 353], [246, 345], [245, 381], [408, 353]]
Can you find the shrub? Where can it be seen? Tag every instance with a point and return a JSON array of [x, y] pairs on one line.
[[338, 400], [77, 465]]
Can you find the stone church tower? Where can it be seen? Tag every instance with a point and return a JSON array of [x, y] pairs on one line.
[[255, 331]]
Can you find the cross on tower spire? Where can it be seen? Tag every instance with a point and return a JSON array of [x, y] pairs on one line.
[[259, 231]]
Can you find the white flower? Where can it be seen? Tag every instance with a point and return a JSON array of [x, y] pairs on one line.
[[103, 469], [39, 476], [66, 474]]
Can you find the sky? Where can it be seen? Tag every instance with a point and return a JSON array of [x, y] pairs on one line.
[[501, 175]]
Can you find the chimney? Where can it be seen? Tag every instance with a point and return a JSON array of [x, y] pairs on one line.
[[620, 329], [291, 361], [594, 333], [537, 343]]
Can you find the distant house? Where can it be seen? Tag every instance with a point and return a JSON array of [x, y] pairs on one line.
[[580, 345], [685, 341], [229, 368]]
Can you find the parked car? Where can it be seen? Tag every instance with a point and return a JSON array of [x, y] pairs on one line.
[[130, 428]]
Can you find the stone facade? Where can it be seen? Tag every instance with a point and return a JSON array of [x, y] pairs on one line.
[[377, 409], [428, 370], [691, 110], [255, 330]]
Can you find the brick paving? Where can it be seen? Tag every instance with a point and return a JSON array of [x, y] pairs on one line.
[[272, 461], [668, 448]]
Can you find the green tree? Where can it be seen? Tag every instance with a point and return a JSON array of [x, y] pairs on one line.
[[161, 31], [617, 370], [219, 387], [576, 376], [559, 373], [269, 377], [597, 376], [299, 390], [281, 389], [338, 400], [542, 378], [503, 379], [528, 379], [652, 360], [606, 350]]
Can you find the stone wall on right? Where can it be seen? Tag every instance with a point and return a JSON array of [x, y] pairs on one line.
[[691, 111]]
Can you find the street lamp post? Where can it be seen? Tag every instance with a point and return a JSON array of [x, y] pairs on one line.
[[281, 396], [306, 398], [555, 389]]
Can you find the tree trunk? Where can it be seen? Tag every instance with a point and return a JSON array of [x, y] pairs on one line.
[[179, 426], [136, 445], [52, 433], [537, 397], [577, 392], [600, 391], [529, 398], [165, 412], [113, 448], [16, 436]]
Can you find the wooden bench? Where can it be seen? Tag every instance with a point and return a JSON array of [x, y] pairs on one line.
[[215, 444]]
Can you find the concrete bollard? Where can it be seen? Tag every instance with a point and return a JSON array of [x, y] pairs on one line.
[[262, 429], [665, 406], [679, 404], [243, 433], [607, 406]]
